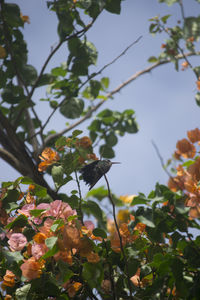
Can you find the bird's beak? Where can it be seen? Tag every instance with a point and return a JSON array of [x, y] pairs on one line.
[[113, 163]]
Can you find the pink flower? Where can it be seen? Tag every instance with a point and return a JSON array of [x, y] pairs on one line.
[[61, 209], [25, 210], [89, 225], [31, 269], [38, 250], [17, 241]]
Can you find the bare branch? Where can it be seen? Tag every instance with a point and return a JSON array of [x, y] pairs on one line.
[[77, 34], [12, 160], [120, 237], [110, 94], [110, 63]]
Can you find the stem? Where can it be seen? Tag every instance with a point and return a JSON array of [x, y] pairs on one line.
[[120, 238], [80, 198], [110, 272]]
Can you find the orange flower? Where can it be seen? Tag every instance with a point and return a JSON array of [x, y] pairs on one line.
[[9, 279], [127, 199], [198, 84], [48, 158], [194, 135], [8, 297], [71, 237], [30, 198], [194, 212], [93, 257], [65, 256], [85, 142], [163, 46], [123, 216], [185, 148], [2, 52], [106, 285], [136, 278], [191, 186], [73, 289], [25, 19], [184, 65], [190, 39], [40, 238], [31, 268], [140, 227]]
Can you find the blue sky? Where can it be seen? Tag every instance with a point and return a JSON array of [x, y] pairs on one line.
[[163, 99]]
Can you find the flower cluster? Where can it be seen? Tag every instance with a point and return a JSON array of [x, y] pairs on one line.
[[188, 174]]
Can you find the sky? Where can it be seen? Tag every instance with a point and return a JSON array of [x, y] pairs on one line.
[[163, 99]]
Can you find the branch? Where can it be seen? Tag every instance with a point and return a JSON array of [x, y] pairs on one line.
[[120, 238], [77, 34], [110, 94], [110, 63], [12, 160]]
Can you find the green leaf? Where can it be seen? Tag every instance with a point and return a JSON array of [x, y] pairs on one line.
[[93, 274], [152, 59], [40, 191], [76, 132], [65, 272], [105, 81], [20, 221], [111, 139], [100, 232], [191, 28], [113, 6], [197, 98], [106, 151], [51, 242], [57, 224], [51, 252], [36, 212], [165, 18], [140, 200], [72, 108], [12, 15], [61, 141], [59, 71], [145, 216], [26, 180], [98, 193], [57, 173], [22, 293], [12, 257], [45, 79], [29, 74], [168, 2], [93, 208]]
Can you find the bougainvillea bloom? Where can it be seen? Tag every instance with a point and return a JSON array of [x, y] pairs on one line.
[[194, 135], [31, 268], [48, 157], [38, 250], [84, 142], [17, 241], [9, 279], [186, 149]]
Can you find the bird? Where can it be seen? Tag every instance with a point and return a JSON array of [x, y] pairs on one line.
[[94, 171]]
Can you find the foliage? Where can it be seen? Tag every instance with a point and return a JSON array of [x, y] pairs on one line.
[[149, 247]]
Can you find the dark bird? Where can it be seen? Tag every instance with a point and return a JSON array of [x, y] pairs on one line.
[[94, 171]]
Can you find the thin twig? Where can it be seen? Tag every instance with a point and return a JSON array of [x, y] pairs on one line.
[[110, 63], [120, 238], [180, 2], [110, 272], [80, 198], [110, 94]]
